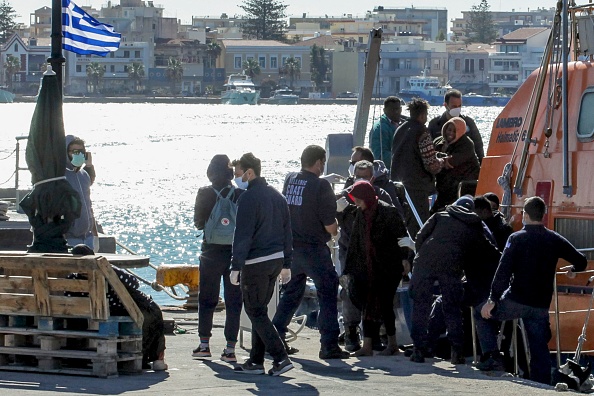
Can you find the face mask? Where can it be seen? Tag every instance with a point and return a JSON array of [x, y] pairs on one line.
[[351, 170], [456, 112], [77, 160], [240, 183]]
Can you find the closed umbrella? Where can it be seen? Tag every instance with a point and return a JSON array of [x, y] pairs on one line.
[[52, 205]]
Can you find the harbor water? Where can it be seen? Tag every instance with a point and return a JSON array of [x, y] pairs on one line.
[[151, 159]]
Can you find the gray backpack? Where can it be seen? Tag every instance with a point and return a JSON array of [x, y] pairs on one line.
[[220, 226]]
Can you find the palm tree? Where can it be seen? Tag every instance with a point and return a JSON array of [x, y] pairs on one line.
[[11, 66], [136, 74], [95, 74], [174, 72], [292, 68], [251, 67], [213, 49]]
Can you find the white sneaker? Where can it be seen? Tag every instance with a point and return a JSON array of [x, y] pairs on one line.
[[160, 365]]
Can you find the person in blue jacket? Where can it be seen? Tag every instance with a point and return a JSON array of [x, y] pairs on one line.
[[382, 133]]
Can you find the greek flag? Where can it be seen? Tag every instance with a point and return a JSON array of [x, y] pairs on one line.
[[84, 34]]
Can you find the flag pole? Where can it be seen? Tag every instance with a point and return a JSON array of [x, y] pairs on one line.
[[57, 59]]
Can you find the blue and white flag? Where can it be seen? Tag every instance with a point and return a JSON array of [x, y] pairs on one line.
[[84, 34]]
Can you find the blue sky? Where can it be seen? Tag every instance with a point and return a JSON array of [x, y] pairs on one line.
[[184, 9]]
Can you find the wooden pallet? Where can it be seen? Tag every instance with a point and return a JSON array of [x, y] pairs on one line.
[[43, 330]]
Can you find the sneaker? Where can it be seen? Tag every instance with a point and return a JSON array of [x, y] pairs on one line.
[[160, 365], [280, 367], [417, 356], [249, 367], [289, 349], [201, 352], [333, 352], [352, 341], [228, 357]]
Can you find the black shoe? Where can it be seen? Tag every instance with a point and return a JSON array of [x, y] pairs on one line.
[[333, 352], [457, 357], [408, 352], [494, 362], [289, 349], [352, 341], [250, 367], [417, 356], [280, 367]]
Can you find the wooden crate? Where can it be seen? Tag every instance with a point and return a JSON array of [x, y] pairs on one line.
[[43, 330]]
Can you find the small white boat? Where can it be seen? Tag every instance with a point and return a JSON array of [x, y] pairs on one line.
[[5, 96], [240, 89], [284, 96]]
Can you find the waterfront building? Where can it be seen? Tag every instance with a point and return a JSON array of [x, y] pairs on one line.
[[506, 21], [220, 28], [517, 55], [271, 56], [32, 54], [468, 66], [432, 20]]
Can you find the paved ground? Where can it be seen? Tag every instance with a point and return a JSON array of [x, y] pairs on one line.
[[312, 376]]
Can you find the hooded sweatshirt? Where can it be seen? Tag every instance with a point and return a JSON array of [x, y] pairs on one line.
[[80, 180]]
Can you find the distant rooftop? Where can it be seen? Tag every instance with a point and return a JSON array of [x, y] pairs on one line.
[[523, 33]]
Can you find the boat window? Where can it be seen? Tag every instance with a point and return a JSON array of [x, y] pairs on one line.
[[586, 120], [580, 232]]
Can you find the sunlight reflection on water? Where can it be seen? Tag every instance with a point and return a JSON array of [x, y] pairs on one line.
[[152, 158]]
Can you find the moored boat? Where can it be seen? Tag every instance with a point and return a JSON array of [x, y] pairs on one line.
[[6, 96], [542, 144], [284, 96], [240, 89]]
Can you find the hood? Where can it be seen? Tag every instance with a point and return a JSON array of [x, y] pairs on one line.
[[219, 172], [380, 171], [460, 125], [464, 215]]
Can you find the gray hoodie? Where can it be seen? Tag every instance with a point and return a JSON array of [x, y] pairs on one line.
[[81, 182]]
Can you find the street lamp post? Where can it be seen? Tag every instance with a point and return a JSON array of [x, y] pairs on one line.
[[56, 58]]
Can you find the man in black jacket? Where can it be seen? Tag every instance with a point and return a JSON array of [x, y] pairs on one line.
[[447, 241], [523, 284], [453, 104], [262, 250]]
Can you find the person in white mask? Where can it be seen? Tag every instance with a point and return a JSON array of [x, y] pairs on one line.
[[452, 101]]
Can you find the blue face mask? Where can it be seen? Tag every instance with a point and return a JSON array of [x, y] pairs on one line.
[[77, 160], [240, 183]]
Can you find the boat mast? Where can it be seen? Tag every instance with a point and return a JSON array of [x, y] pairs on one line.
[[366, 87], [567, 187]]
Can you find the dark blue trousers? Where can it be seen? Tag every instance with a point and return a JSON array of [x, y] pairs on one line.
[[215, 262], [315, 262], [536, 326]]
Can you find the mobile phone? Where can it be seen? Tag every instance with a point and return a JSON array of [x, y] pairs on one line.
[[86, 155]]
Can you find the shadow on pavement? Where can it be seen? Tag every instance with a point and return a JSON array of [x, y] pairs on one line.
[[332, 369]]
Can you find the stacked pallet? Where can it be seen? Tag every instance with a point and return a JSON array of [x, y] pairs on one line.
[[43, 330]]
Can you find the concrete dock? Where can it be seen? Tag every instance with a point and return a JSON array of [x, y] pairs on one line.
[[376, 375]]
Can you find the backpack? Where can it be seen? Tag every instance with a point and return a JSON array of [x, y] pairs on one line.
[[220, 226]]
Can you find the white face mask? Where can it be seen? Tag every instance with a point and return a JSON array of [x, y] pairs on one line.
[[455, 112], [240, 183], [351, 170]]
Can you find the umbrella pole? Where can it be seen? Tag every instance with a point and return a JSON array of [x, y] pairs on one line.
[[56, 59]]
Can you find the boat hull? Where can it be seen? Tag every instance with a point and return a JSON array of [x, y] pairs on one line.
[[6, 97], [240, 98], [284, 100]]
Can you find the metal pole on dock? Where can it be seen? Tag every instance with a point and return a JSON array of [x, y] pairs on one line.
[[56, 58]]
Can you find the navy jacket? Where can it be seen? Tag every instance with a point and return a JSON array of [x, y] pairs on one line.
[[263, 225], [527, 267]]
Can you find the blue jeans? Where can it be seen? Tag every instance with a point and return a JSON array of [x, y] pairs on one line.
[[313, 261], [536, 326], [215, 262]]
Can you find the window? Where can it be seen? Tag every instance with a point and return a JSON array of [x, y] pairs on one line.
[[407, 64], [78, 68], [126, 54], [112, 54], [360, 40], [436, 64], [298, 59], [137, 54], [112, 69], [273, 62], [125, 68], [16, 48], [262, 62], [237, 62], [468, 65], [249, 58], [481, 64], [284, 60], [585, 129]]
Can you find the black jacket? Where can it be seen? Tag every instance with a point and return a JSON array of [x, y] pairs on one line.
[[449, 241], [387, 227], [472, 132]]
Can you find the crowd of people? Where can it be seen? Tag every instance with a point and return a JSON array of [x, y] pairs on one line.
[[458, 253]]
